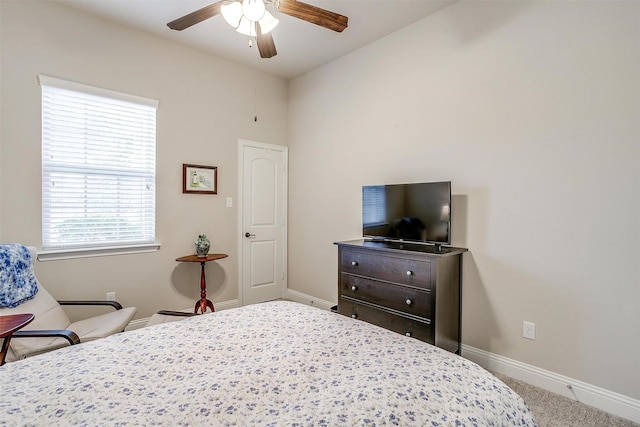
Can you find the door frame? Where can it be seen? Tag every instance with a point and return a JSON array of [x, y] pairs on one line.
[[242, 143]]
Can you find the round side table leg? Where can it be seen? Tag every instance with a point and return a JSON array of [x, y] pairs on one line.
[[199, 307], [5, 348], [203, 303]]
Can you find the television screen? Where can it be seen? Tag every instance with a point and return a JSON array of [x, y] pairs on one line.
[[418, 212]]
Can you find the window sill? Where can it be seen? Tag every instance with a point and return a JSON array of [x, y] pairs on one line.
[[57, 254]]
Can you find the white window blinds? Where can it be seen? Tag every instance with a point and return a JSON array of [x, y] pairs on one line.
[[98, 167]]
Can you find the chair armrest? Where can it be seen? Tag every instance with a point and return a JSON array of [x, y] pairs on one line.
[[70, 336], [114, 304], [176, 313]]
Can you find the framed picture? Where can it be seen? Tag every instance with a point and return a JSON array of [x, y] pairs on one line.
[[199, 179]]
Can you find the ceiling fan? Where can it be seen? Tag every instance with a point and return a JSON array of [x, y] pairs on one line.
[[251, 18]]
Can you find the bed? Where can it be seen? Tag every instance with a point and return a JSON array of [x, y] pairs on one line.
[[270, 364]]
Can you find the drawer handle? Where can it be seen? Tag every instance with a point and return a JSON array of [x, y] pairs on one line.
[[409, 302], [353, 263], [354, 316], [409, 273], [354, 288], [409, 334]]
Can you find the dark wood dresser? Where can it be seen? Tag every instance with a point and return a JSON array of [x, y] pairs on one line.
[[411, 289]]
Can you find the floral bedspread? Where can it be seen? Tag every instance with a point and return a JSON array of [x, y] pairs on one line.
[[271, 364]]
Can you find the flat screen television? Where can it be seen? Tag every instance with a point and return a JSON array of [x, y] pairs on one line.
[[419, 212]]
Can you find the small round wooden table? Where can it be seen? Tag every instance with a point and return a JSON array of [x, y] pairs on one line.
[[203, 302], [8, 325]]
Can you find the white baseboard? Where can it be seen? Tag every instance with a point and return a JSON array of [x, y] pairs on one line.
[[137, 324], [608, 401], [308, 299]]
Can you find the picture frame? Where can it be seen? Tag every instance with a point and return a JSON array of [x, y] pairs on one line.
[[199, 179]]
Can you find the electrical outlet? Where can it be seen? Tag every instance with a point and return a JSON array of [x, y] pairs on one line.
[[111, 296], [529, 330]]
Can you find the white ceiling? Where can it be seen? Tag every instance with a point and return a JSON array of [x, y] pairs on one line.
[[301, 46]]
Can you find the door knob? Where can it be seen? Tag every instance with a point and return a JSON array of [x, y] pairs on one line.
[[249, 235]]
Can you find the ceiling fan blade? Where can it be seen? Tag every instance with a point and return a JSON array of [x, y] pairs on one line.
[[266, 46], [196, 17], [313, 14]]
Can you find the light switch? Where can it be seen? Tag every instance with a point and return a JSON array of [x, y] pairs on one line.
[[229, 202]]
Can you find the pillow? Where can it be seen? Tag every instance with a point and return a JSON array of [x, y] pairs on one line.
[[17, 278]]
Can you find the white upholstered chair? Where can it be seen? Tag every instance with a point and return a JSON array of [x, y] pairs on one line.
[[52, 329]]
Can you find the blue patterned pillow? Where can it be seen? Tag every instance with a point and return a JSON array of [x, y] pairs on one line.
[[17, 278]]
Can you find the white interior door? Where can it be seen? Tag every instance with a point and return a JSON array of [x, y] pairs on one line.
[[263, 208]]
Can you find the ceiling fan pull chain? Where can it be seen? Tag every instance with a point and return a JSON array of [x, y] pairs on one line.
[[255, 96]]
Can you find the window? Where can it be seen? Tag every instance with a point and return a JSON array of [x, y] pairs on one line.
[[98, 167], [374, 205]]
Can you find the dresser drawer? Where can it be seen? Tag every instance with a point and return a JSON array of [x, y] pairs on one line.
[[415, 328], [398, 297], [411, 272]]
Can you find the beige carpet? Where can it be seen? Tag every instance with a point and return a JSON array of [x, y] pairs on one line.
[[552, 410]]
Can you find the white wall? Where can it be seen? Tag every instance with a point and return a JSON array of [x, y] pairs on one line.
[[531, 109], [206, 105]]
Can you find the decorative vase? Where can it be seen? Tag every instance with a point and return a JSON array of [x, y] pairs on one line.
[[202, 245]]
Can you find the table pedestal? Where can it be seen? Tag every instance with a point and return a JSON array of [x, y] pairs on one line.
[[203, 303]]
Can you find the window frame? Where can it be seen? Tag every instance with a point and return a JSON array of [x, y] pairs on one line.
[[112, 248]]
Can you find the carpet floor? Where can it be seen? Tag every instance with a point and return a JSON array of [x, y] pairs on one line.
[[553, 410]]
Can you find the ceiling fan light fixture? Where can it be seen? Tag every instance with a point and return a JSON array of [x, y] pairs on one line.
[[232, 13], [253, 9], [247, 27], [245, 16], [268, 23]]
